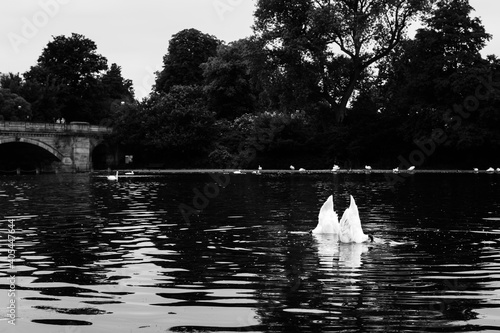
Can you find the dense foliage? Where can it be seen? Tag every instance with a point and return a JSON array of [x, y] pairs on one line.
[[71, 81], [187, 51], [307, 33], [320, 82]]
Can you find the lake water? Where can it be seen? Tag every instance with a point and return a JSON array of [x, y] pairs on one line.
[[99, 256]]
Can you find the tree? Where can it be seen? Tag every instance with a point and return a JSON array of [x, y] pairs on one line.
[[430, 79], [44, 98], [229, 83], [187, 50], [179, 121], [115, 86], [442, 65], [72, 60], [13, 107], [312, 31], [11, 81], [116, 92], [73, 66]]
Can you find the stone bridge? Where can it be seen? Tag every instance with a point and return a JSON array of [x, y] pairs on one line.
[[71, 144]]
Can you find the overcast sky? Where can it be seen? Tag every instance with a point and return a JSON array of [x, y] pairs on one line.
[[134, 34]]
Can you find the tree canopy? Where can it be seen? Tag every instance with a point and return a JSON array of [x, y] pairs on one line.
[[71, 80], [230, 84], [320, 82], [187, 51], [310, 32]]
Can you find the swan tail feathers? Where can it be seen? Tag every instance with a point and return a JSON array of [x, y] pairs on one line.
[[328, 221], [350, 225]]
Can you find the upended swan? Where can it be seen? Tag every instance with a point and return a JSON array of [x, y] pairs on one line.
[[328, 221], [348, 229], [350, 226]]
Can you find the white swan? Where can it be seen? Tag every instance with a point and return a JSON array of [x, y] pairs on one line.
[[490, 170], [411, 168], [292, 167], [328, 221], [350, 226], [115, 177], [335, 168], [302, 169], [367, 167]]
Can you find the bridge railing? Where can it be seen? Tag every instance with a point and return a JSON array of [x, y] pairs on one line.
[[80, 127]]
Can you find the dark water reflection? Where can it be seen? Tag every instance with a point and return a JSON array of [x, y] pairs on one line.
[[100, 256]]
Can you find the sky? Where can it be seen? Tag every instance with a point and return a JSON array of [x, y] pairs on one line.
[[135, 34]]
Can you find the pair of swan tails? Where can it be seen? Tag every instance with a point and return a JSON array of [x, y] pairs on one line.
[[349, 228]]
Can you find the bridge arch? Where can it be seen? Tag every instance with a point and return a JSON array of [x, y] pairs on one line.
[[70, 144], [40, 144]]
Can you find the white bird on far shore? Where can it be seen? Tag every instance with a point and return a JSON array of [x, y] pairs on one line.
[[292, 167], [395, 170], [302, 169], [367, 167], [411, 168], [335, 168], [476, 170], [115, 177], [490, 170]]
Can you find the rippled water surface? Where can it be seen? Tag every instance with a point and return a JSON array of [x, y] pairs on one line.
[[99, 256]]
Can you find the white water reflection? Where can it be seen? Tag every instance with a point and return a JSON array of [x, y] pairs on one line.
[[332, 253]]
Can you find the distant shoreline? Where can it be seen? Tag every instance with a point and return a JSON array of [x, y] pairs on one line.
[[284, 171], [153, 172]]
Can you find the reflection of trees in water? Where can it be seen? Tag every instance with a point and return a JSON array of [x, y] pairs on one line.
[[83, 224], [343, 285], [350, 289], [59, 232], [297, 295], [246, 242]]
